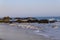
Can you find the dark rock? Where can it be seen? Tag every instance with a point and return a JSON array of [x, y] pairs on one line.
[[43, 21], [46, 21], [32, 21]]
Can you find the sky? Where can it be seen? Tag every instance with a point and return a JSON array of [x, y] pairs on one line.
[[29, 8]]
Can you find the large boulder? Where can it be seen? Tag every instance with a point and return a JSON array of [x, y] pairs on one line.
[[46, 21], [32, 20], [6, 19], [43, 21]]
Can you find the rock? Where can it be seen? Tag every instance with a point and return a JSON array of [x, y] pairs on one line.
[[43, 21]]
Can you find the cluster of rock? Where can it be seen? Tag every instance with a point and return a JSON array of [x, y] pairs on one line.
[[24, 20]]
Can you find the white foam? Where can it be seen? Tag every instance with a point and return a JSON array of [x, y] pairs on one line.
[[41, 33], [45, 35]]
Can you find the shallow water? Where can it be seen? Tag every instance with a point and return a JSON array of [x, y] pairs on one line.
[[51, 30]]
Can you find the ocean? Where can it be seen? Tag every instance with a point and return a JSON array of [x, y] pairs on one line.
[[56, 18], [39, 18], [48, 30]]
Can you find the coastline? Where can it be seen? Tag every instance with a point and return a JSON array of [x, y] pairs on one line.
[[12, 33]]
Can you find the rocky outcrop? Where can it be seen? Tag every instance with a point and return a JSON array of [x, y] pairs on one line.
[[25, 20], [46, 21], [43, 21]]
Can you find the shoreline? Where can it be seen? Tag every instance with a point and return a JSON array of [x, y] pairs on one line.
[[12, 33]]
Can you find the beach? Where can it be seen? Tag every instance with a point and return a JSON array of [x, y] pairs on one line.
[[29, 20], [10, 32]]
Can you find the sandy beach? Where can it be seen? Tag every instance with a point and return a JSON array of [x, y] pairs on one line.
[[13, 33]]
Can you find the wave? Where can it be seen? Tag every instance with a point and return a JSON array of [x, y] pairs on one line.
[[46, 30]]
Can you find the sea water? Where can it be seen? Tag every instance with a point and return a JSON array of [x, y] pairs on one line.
[[49, 30]]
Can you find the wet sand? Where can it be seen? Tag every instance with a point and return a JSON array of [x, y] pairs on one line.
[[13, 33]]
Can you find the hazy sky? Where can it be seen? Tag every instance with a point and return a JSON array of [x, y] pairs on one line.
[[24, 8]]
